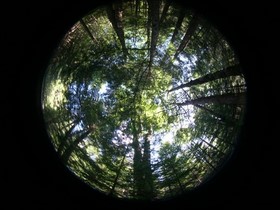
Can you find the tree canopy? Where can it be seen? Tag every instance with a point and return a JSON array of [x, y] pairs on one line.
[[144, 99]]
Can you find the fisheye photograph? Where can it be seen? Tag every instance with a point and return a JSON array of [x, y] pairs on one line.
[[134, 104], [144, 99]]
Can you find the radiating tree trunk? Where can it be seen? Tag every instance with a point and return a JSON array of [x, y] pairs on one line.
[[137, 162], [88, 31], [118, 172], [227, 141], [137, 7], [67, 153], [189, 33], [212, 146], [211, 112], [177, 178], [222, 119], [147, 170], [64, 140], [217, 99], [179, 22], [202, 155], [154, 8], [164, 12], [114, 13], [142, 171], [149, 23], [229, 71]]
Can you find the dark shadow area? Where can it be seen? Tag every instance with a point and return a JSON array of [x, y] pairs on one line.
[[36, 176]]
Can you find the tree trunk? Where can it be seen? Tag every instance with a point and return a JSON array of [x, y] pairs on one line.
[[164, 12], [189, 33], [149, 22], [222, 119], [181, 17], [66, 136], [227, 141], [147, 170], [218, 99], [88, 31], [154, 8], [114, 13], [67, 153], [177, 178], [179, 22], [137, 162], [202, 154], [229, 71], [118, 173], [137, 7], [211, 112], [212, 146]]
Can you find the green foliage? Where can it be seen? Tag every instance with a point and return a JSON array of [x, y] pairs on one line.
[[182, 135]]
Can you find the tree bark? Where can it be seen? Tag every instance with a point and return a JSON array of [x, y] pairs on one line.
[[179, 22], [211, 112], [154, 8], [212, 146], [66, 136], [67, 153], [201, 154], [114, 13], [147, 170], [88, 31], [229, 71], [222, 119], [177, 178], [137, 7], [218, 99], [164, 12], [189, 33], [137, 162], [149, 22], [119, 172]]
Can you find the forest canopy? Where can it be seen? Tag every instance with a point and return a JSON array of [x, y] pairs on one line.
[[144, 99]]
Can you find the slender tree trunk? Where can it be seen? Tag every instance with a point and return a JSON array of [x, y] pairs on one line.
[[147, 170], [189, 33], [88, 31], [211, 112], [212, 146], [222, 119], [137, 7], [224, 140], [202, 155], [137, 162], [179, 22], [229, 71], [67, 153], [119, 172], [66, 136], [114, 13], [215, 158], [164, 12], [154, 8], [218, 99], [177, 178], [149, 22]]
